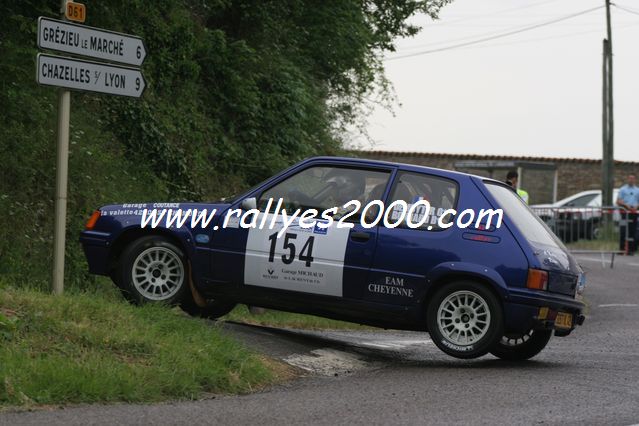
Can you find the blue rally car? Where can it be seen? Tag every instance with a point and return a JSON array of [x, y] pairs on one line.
[[498, 283]]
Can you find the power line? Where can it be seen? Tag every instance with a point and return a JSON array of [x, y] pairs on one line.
[[448, 41], [625, 9], [554, 37], [499, 12], [497, 36], [486, 34]]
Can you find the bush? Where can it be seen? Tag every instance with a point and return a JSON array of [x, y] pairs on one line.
[[237, 90]]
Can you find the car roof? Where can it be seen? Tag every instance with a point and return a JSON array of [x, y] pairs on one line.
[[560, 203], [587, 192], [402, 166]]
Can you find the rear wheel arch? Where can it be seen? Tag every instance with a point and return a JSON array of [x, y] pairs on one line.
[[435, 285]]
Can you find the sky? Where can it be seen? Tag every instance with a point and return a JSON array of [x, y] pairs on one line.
[[536, 93]]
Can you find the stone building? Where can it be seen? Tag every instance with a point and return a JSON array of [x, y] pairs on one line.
[[543, 177]]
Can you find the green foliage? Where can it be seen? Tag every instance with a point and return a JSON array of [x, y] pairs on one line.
[[82, 348], [7, 326], [237, 90]]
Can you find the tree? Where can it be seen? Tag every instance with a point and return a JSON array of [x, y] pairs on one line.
[[237, 90]]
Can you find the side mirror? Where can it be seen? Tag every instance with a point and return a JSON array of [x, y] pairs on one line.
[[249, 203]]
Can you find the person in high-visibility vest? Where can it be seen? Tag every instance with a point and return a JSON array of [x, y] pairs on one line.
[[511, 179]]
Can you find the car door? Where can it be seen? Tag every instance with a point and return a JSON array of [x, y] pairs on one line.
[[324, 258], [404, 255]]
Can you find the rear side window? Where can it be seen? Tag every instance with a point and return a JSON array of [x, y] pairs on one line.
[[412, 187], [527, 222]]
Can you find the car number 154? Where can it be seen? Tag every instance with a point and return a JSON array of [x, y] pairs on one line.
[[309, 260]]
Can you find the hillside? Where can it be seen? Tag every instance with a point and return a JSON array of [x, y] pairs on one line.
[[236, 91]]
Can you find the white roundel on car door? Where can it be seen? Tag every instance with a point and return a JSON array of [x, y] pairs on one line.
[[309, 260]]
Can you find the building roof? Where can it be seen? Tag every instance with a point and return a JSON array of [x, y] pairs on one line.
[[485, 157]]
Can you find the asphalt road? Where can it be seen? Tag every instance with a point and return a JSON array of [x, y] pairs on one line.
[[379, 377]]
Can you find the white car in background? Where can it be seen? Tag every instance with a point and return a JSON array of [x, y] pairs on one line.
[[576, 216]]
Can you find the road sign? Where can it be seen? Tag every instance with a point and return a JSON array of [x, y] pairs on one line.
[[78, 74], [88, 41], [75, 12]]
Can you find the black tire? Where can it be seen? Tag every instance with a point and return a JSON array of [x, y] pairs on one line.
[[521, 347], [165, 278], [480, 314]]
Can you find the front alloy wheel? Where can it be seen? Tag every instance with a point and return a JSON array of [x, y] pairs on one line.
[[152, 269], [157, 273]]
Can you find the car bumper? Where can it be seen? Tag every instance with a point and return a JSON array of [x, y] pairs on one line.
[[525, 310], [96, 247]]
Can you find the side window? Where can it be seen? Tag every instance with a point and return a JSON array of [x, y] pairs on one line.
[[410, 187], [581, 201], [325, 187]]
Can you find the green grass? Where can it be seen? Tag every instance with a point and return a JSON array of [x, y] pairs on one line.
[[284, 319], [94, 348], [599, 245]]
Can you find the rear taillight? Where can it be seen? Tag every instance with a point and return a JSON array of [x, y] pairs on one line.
[[92, 220], [537, 279]]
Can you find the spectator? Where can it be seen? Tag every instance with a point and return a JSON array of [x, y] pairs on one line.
[[628, 198], [511, 179]]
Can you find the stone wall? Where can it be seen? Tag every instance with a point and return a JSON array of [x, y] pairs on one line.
[[574, 174]]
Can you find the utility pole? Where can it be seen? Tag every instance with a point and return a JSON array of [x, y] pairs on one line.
[[61, 175], [608, 167], [605, 165]]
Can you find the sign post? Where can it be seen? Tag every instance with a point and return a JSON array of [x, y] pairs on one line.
[[61, 174], [79, 74]]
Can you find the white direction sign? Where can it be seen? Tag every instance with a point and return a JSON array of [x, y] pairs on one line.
[[88, 41], [90, 76]]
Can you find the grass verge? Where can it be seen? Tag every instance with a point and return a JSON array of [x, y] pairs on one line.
[[274, 318], [597, 245], [89, 348]]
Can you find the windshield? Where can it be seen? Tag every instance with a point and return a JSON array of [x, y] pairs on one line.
[[527, 222]]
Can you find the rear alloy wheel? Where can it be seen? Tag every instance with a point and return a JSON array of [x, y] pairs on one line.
[[520, 347], [465, 319], [152, 269]]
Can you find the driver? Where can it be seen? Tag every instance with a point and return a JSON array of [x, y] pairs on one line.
[[347, 188]]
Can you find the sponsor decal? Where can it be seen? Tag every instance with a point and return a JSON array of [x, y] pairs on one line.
[[166, 205], [304, 259], [121, 212], [201, 238], [393, 286], [320, 230]]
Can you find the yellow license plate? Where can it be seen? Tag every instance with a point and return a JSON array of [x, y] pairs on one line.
[[563, 320]]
